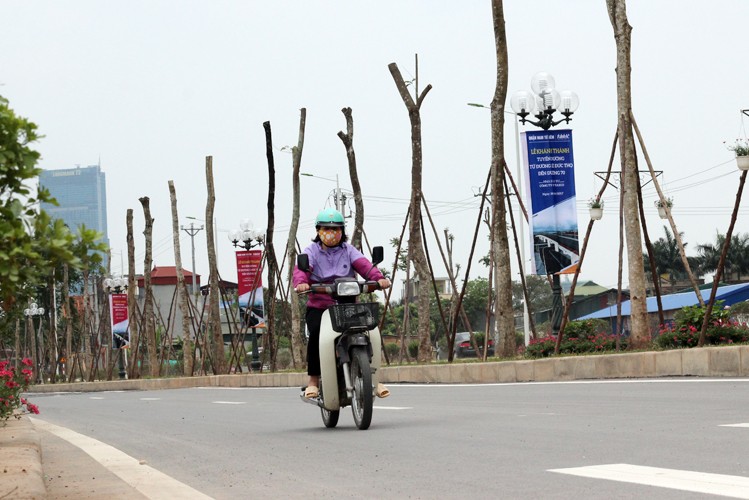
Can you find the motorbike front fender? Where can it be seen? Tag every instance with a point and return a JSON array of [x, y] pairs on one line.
[[328, 365]]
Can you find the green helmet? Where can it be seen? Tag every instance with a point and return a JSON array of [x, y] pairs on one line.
[[329, 217]]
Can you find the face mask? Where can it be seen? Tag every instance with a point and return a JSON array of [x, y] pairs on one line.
[[330, 237]]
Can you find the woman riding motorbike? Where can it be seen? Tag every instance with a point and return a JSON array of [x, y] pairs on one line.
[[330, 257]]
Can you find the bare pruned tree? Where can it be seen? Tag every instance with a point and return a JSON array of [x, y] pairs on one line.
[[639, 325], [270, 251], [504, 315], [132, 303], [348, 143], [415, 243], [183, 296], [149, 320], [297, 346], [214, 293]]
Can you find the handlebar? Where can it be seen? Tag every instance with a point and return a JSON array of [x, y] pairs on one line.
[[330, 288]]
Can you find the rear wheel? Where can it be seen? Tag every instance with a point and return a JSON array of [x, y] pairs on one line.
[[361, 378]]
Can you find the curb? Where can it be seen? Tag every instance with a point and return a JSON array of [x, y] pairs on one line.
[[695, 362], [21, 474]]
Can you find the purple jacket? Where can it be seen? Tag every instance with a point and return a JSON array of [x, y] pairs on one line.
[[326, 266]]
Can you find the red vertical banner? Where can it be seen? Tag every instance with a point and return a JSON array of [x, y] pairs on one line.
[[250, 284], [118, 318]]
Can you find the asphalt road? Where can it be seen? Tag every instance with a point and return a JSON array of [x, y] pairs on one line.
[[431, 441]]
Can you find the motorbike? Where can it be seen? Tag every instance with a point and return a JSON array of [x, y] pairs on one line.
[[350, 348]]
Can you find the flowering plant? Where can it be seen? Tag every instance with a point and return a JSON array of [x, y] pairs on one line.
[[739, 146], [668, 202], [595, 202], [12, 384]]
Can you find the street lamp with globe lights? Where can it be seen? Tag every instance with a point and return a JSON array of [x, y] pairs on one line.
[[547, 100], [32, 312], [247, 238], [115, 284]]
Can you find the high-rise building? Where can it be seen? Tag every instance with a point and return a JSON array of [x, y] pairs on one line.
[[81, 194]]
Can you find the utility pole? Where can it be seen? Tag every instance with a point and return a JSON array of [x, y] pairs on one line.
[[192, 231]]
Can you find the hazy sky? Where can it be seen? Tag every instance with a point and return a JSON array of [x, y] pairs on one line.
[[150, 88]]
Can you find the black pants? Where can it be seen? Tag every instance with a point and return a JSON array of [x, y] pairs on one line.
[[313, 318]]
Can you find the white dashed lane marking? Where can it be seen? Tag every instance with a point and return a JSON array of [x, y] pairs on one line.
[[229, 402], [734, 425], [684, 480]]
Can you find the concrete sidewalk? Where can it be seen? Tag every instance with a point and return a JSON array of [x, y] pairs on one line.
[[22, 474]]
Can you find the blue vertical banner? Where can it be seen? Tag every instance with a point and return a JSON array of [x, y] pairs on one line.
[[551, 200]]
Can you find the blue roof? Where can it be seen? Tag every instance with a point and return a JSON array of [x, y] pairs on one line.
[[731, 294]]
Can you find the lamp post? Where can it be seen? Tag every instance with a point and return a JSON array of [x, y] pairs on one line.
[[117, 285], [247, 238], [32, 312], [526, 320], [338, 197], [192, 230], [547, 100]]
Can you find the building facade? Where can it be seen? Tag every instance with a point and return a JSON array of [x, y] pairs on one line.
[[81, 194]]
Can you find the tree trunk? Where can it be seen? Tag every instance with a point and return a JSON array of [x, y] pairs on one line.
[[67, 317], [297, 346], [182, 293], [17, 346], [639, 325], [270, 252], [132, 304], [415, 243], [503, 313], [149, 319], [348, 142], [214, 313]]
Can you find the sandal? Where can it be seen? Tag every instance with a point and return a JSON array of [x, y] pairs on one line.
[[311, 392], [382, 391]]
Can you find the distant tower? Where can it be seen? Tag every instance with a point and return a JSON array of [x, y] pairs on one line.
[[82, 197]]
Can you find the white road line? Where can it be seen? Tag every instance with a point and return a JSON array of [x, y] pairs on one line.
[[95, 397], [734, 425], [394, 407], [229, 402], [145, 479], [150, 399], [699, 482], [580, 382]]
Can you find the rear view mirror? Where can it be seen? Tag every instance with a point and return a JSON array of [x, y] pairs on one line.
[[302, 262], [378, 255]]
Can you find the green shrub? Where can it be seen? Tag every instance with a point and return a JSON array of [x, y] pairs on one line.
[[695, 315], [392, 349], [413, 349], [719, 333], [283, 358], [582, 336]]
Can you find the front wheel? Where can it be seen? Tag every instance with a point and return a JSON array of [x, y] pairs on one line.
[[329, 417], [361, 378]]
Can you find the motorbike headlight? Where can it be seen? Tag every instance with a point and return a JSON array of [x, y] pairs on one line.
[[347, 289]]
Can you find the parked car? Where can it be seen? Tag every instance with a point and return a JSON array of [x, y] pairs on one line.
[[464, 349]]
